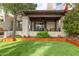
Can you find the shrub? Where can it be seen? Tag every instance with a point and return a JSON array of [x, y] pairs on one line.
[[18, 36], [42, 34], [71, 22]]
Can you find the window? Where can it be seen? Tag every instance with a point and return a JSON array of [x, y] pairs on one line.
[[59, 6], [39, 26], [1, 20], [19, 25], [1, 31]]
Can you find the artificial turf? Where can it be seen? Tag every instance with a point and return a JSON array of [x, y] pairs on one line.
[[38, 48]]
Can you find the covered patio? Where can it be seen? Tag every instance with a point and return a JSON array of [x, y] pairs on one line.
[[42, 20]]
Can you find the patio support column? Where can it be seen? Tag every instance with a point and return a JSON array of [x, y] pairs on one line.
[[61, 24], [58, 26], [25, 26], [61, 27], [55, 25]]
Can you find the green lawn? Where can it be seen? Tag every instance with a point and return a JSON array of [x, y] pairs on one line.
[[38, 48]]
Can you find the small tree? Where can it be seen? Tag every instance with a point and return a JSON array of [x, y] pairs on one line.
[[14, 8], [71, 23]]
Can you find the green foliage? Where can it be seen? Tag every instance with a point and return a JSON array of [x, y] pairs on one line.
[[18, 36], [77, 7], [15, 7], [71, 22], [43, 34]]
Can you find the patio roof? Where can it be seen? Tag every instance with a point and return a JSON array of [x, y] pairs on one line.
[[44, 13]]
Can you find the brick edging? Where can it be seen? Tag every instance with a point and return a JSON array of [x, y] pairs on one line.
[[43, 39], [72, 42]]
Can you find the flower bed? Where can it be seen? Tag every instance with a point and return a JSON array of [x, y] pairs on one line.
[[7, 40], [45, 39], [35, 39]]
